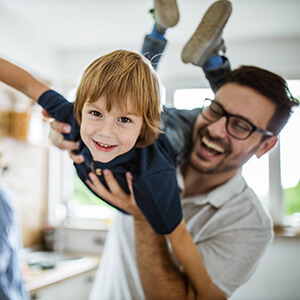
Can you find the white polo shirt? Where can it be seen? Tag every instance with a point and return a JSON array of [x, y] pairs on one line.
[[229, 225]]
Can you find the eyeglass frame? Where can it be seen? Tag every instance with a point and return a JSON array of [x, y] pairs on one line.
[[228, 116]]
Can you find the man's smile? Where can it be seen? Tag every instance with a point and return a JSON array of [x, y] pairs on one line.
[[212, 146]]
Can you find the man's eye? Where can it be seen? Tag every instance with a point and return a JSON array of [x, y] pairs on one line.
[[239, 126], [215, 111], [124, 120], [96, 113]]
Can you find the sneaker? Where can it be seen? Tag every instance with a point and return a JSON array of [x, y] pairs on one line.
[[207, 40], [166, 14]]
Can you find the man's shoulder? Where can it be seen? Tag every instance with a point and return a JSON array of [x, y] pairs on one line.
[[261, 213], [236, 205], [248, 209], [187, 116]]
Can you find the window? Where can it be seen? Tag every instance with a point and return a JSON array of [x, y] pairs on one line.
[[195, 97], [86, 205], [290, 162]]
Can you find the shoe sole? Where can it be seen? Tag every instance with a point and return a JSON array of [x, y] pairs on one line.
[[167, 13], [207, 36]]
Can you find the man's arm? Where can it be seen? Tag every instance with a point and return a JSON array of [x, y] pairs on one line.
[[160, 277], [21, 80], [157, 269], [189, 257]]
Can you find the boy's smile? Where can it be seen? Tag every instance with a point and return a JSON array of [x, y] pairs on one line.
[[109, 134], [104, 147]]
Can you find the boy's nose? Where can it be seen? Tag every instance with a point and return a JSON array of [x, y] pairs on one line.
[[106, 128]]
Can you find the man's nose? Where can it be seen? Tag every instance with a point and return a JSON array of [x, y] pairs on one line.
[[218, 127]]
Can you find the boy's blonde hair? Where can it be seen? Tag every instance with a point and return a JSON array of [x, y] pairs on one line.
[[117, 76]]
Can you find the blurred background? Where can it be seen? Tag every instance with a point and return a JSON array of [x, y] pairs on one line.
[[55, 40]]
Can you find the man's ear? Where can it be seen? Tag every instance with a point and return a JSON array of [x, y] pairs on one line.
[[266, 146]]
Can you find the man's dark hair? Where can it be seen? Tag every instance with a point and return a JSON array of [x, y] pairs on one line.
[[270, 85]]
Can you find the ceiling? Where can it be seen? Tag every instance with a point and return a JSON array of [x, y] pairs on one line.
[[57, 38]]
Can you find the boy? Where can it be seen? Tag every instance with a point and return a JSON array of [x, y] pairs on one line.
[[116, 117]]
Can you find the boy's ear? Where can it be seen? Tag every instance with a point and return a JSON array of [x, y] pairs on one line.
[[266, 146]]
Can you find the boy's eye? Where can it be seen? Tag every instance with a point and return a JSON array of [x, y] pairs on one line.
[[96, 113], [124, 120]]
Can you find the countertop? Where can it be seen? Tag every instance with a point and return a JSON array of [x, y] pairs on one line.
[[38, 278]]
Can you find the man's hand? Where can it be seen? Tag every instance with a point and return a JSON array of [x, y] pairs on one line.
[[116, 195], [57, 128]]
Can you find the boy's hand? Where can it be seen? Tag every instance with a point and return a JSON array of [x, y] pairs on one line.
[[57, 128], [115, 194]]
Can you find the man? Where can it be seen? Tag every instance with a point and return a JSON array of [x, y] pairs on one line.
[[229, 227]]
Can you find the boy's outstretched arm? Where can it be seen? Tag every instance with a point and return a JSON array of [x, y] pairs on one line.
[[24, 82], [21, 80], [56, 136]]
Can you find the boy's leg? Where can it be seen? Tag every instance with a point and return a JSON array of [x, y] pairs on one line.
[[204, 47], [166, 15], [153, 49]]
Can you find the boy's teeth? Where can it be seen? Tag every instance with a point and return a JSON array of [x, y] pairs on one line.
[[212, 145], [104, 145]]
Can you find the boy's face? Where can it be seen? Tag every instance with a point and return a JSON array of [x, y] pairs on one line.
[[109, 134], [215, 151]]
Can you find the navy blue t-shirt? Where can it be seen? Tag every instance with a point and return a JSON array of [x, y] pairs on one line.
[[153, 169]]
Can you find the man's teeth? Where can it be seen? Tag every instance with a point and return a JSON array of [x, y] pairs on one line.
[[212, 145]]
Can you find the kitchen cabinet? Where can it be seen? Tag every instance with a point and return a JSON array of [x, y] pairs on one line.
[[69, 279], [75, 288]]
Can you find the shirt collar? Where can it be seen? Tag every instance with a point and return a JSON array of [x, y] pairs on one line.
[[218, 196]]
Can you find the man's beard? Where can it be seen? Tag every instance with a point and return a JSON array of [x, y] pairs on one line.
[[227, 164]]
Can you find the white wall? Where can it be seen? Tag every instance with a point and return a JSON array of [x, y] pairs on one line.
[[277, 276]]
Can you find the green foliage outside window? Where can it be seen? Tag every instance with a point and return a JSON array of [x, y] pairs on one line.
[[292, 199], [83, 195]]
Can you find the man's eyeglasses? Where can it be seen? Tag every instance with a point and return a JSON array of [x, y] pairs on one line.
[[237, 126]]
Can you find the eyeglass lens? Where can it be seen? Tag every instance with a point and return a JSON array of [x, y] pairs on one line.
[[236, 126]]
